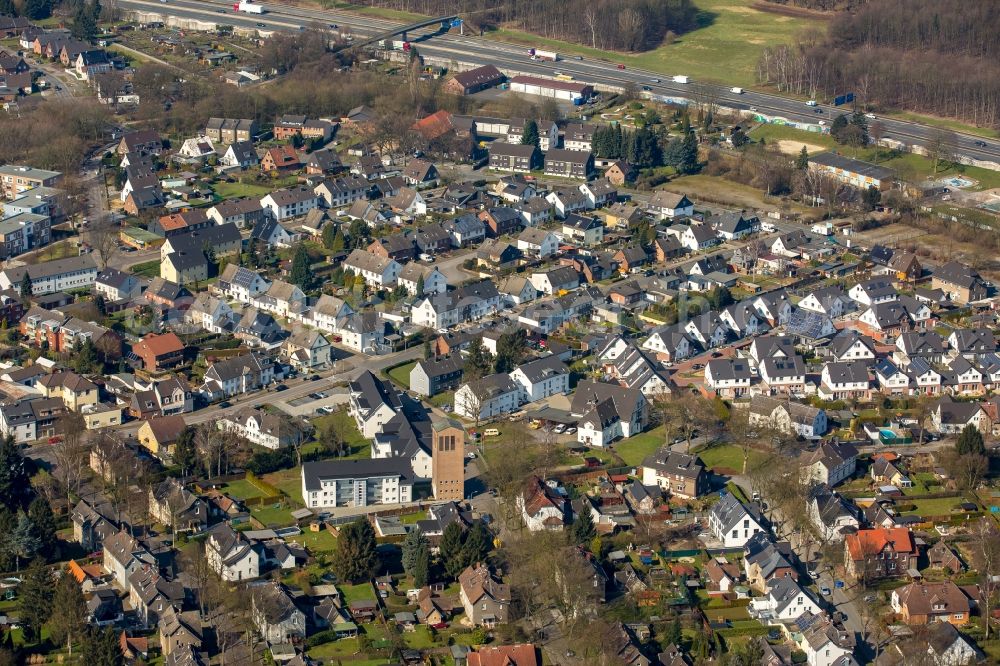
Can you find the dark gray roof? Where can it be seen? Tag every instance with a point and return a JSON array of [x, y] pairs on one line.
[[730, 511], [314, 472], [543, 368]]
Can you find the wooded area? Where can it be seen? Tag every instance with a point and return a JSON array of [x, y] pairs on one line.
[[626, 25], [932, 56]]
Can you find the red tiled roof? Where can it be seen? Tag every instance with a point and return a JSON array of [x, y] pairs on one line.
[[523, 654], [158, 345], [870, 542], [433, 126]]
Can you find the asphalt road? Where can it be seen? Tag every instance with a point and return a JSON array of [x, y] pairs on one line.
[[476, 50]]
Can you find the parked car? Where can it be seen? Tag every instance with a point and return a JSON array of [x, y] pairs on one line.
[[559, 428], [825, 591], [280, 387], [224, 404]]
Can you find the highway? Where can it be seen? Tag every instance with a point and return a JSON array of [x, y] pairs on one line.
[[475, 50]]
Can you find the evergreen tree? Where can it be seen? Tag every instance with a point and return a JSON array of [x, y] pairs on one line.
[[644, 149], [530, 136], [479, 363], [688, 162], [24, 541], [329, 236], [355, 558], [450, 549], [510, 350], [69, 612], [420, 285], [44, 523], [186, 451], [582, 530], [428, 350], [477, 544], [421, 566], [837, 128], [8, 521], [970, 441], [37, 9], [7, 8], [85, 360], [101, 304], [338, 241], [300, 273], [739, 138], [802, 161], [673, 635], [26, 286], [15, 486], [100, 647], [84, 26], [871, 197], [35, 600], [411, 545]]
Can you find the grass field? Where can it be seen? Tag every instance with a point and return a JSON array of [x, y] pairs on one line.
[[401, 375], [353, 593], [237, 189], [148, 269], [273, 515], [242, 490], [724, 50], [939, 506], [720, 190], [288, 481], [317, 541], [727, 457], [348, 430], [635, 449]]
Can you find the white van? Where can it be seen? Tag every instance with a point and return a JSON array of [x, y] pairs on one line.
[[491, 432], [811, 102]]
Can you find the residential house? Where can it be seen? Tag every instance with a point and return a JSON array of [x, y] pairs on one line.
[[357, 483], [336, 193], [880, 553], [280, 159], [306, 349], [784, 601], [788, 417], [485, 598], [243, 212], [261, 428], [238, 283], [607, 412], [585, 230], [569, 163], [465, 230], [728, 377], [666, 205], [541, 378], [566, 201], [538, 243], [421, 174], [765, 560], [290, 202], [275, 614], [240, 155], [159, 352], [76, 392], [237, 375], [542, 506], [435, 375], [679, 474], [845, 381], [832, 515], [514, 158], [173, 505], [502, 221], [733, 226], [924, 602], [231, 130], [378, 272], [961, 283], [733, 523], [488, 397], [159, 435], [232, 555], [950, 417], [830, 463]]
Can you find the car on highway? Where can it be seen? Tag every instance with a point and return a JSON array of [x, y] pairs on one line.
[[980, 143], [656, 80], [221, 11], [261, 25], [280, 387], [333, 26], [646, 88], [314, 378], [621, 66], [811, 102], [578, 57], [870, 116]]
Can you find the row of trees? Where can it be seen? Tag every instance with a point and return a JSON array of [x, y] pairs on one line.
[[628, 25], [932, 57]]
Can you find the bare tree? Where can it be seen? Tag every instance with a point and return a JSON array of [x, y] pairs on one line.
[[72, 455], [941, 147], [988, 555], [103, 237]]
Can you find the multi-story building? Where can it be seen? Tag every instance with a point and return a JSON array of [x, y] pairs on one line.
[[17, 179], [356, 483], [680, 474]]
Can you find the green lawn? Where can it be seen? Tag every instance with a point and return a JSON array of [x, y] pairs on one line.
[[348, 430], [412, 518], [420, 639], [772, 133], [238, 189], [352, 593], [940, 506], [728, 457], [635, 449], [401, 375], [288, 481], [725, 50], [273, 515], [149, 269], [317, 541], [242, 490]]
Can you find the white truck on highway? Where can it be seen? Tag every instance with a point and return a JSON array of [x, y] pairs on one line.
[[737, 91], [680, 78], [248, 7], [539, 54]]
